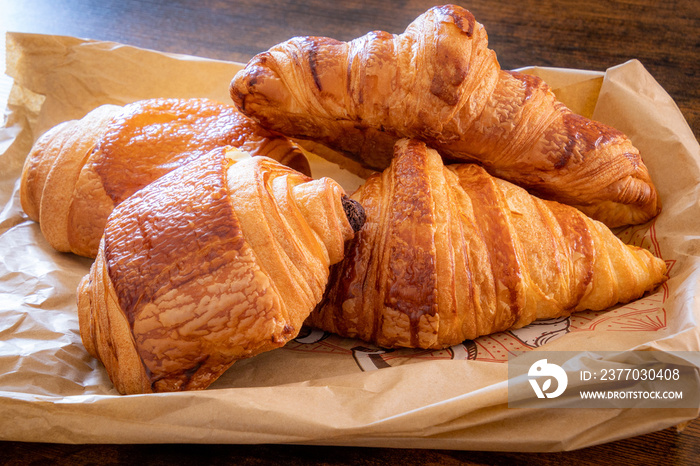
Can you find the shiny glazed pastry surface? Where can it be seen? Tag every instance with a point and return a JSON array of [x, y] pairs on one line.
[[213, 262], [449, 253], [79, 170], [439, 82]]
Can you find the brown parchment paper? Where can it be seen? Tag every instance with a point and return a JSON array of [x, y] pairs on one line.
[[321, 389]]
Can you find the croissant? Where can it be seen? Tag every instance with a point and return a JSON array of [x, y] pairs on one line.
[[79, 170], [439, 82], [213, 262], [450, 253]]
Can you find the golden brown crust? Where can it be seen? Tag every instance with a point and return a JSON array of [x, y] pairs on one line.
[[61, 180], [80, 170], [449, 253], [107, 334], [213, 262], [439, 82], [36, 168]]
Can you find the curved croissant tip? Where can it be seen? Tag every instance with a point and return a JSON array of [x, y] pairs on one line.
[[355, 213]]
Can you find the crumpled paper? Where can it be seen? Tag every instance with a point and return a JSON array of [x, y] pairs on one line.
[[322, 389]]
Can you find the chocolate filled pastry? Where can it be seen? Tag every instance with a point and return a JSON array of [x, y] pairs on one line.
[[439, 82], [79, 170], [213, 262], [450, 253]]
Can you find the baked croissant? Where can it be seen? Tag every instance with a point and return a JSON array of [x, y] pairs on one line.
[[450, 253], [79, 170], [439, 82], [213, 262]]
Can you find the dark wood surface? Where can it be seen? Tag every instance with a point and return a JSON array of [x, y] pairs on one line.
[[582, 34]]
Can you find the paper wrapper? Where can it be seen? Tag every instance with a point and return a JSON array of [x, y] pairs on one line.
[[326, 391]]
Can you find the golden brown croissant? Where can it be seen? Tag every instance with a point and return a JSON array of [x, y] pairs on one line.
[[449, 253], [79, 170], [213, 262], [439, 82]]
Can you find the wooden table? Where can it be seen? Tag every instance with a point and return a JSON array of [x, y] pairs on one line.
[[583, 34]]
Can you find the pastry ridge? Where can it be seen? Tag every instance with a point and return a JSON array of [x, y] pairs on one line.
[[449, 253], [79, 170], [439, 82], [190, 277]]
